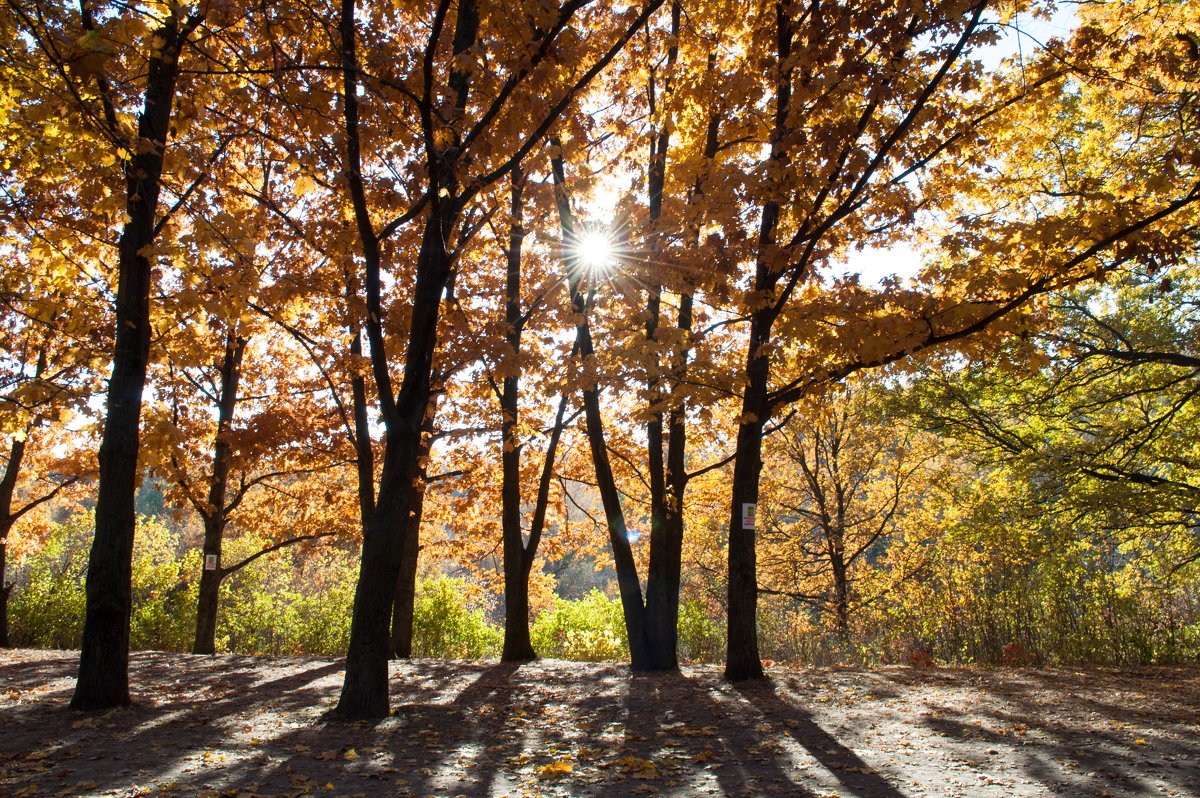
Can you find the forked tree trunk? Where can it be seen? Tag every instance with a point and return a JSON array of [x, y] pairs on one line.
[[632, 606], [519, 553], [517, 644], [365, 687], [104, 659], [212, 570], [666, 534]]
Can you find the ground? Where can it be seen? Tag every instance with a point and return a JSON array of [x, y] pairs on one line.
[[244, 726]]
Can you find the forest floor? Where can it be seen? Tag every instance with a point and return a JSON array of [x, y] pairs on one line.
[[238, 726]]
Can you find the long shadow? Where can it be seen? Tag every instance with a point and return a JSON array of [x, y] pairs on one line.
[[102, 748], [719, 739], [1059, 752], [478, 716], [441, 711], [854, 774]]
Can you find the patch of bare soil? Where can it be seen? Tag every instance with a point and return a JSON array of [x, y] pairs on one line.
[[243, 726]]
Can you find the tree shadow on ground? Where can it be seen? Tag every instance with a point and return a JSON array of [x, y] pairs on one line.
[[1147, 744], [206, 726]]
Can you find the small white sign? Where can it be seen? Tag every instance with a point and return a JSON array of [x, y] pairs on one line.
[[210, 562], [749, 511]]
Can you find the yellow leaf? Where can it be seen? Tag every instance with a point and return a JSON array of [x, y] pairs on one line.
[[350, 755], [556, 769]]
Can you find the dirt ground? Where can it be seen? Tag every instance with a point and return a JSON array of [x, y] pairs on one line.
[[244, 726]]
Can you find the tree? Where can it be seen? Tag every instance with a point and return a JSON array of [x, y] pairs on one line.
[[93, 60], [857, 122], [844, 477], [1099, 424], [517, 109]]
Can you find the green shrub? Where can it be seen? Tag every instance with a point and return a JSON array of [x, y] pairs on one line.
[[701, 637], [287, 602], [46, 609], [444, 625], [164, 602], [590, 629], [48, 601]]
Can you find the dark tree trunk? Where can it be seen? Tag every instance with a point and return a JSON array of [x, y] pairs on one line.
[[666, 536], [517, 558], [365, 688], [364, 462], [364, 691], [666, 558], [104, 660], [519, 553], [405, 602], [216, 515], [841, 592], [628, 583], [8, 487], [742, 659]]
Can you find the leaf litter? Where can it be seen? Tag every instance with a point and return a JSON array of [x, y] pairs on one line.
[[231, 726]]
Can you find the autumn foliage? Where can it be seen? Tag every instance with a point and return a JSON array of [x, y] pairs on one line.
[[527, 317]]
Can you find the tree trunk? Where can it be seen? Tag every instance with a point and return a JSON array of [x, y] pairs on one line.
[[666, 534], [385, 538], [742, 660], [6, 526], [841, 594], [628, 583], [8, 487], [517, 645], [404, 604], [104, 659], [211, 570]]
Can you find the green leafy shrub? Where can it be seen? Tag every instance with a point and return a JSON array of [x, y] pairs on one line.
[[701, 637], [164, 602], [287, 602], [48, 602], [445, 625], [46, 609], [590, 629]]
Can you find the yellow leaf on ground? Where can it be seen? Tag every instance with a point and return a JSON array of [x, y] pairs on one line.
[[556, 769]]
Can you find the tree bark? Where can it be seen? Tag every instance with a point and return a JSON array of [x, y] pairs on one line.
[[742, 659], [365, 689], [215, 518], [628, 583], [666, 535], [104, 660], [404, 604], [8, 485], [517, 645]]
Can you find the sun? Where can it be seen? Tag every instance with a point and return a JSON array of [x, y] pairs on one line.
[[596, 251]]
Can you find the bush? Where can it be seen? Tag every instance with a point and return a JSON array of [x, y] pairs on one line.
[[46, 609], [48, 602], [701, 637], [590, 629], [288, 602], [444, 625]]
